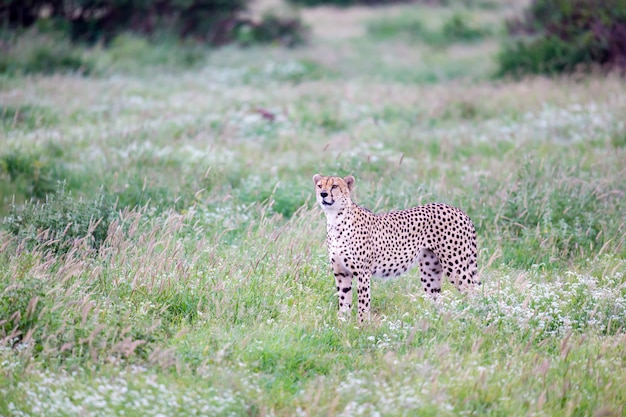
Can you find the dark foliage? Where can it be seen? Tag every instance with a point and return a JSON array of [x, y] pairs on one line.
[[288, 30], [344, 3], [95, 20], [566, 36]]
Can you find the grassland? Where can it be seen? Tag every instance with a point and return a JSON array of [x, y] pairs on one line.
[[210, 294]]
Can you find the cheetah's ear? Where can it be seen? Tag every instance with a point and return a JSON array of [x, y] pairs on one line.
[[349, 180], [316, 178]]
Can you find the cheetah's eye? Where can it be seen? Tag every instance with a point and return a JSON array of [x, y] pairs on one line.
[[319, 185], [334, 186]]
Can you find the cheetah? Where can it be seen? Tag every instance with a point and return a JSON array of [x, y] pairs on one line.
[[437, 237]]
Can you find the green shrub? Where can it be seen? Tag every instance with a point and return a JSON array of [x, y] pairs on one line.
[[567, 36], [127, 25], [284, 28], [102, 20], [60, 221]]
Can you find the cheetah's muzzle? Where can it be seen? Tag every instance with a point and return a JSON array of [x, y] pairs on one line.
[[324, 194]]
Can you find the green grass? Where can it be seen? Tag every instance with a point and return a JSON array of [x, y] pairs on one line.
[[456, 28], [211, 294]]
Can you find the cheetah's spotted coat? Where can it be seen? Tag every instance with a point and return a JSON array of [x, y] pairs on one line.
[[437, 237]]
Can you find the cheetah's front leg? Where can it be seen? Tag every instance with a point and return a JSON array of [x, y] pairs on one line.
[[364, 279], [343, 278]]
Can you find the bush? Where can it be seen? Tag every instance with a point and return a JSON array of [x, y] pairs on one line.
[[550, 55], [138, 33], [286, 29], [101, 20], [567, 35], [60, 221]]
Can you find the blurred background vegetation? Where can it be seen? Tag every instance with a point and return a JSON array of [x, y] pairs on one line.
[[45, 36], [96, 37]]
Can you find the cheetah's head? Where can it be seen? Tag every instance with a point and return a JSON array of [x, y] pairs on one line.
[[333, 193]]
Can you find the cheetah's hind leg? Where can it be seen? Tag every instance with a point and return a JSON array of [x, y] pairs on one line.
[[430, 271]]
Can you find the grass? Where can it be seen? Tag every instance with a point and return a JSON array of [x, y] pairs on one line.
[[210, 293], [457, 28]]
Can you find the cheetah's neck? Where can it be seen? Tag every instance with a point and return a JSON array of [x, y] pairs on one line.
[[343, 217]]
